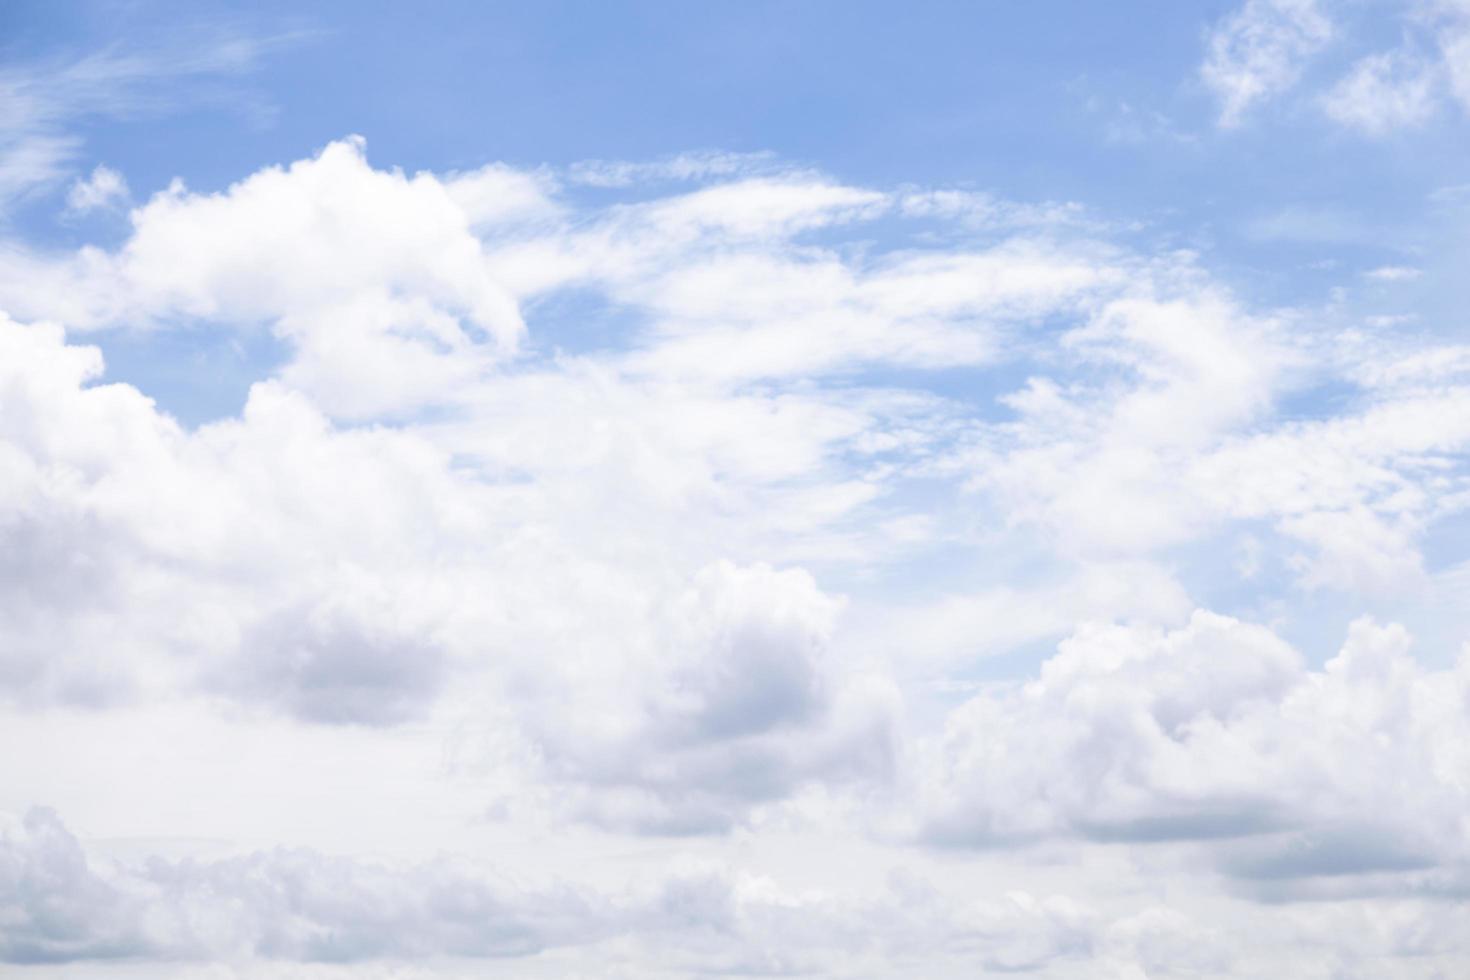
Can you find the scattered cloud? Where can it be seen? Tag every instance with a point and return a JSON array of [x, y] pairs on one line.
[[1217, 734], [1265, 49], [1259, 51], [1383, 93], [1394, 273], [681, 168], [104, 189], [693, 517]]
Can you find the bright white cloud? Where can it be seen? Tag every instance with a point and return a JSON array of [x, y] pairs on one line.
[[374, 278], [1217, 733], [719, 560]]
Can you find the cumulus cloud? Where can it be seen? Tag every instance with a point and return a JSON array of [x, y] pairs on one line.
[[341, 535], [374, 278], [727, 553], [736, 705], [276, 562], [1217, 733]]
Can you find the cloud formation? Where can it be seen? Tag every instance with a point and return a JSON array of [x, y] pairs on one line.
[[1266, 48], [1217, 733], [687, 517]]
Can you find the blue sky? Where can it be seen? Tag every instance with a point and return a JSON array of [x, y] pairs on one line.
[[650, 489], [991, 95]]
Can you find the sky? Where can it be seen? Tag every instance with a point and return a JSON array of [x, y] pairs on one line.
[[755, 489]]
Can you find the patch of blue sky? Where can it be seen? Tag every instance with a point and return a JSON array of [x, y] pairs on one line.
[[1318, 401], [578, 320], [1446, 542], [976, 390], [194, 373]]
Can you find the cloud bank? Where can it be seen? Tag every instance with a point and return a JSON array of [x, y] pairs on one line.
[[660, 512]]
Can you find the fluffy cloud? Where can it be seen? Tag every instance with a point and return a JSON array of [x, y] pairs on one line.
[[685, 518], [373, 278], [345, 577], [1218, 733], [735, 704]]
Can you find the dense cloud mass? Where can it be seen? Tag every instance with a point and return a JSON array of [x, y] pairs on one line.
[[712, 565], [526, 556], [1216, 733]]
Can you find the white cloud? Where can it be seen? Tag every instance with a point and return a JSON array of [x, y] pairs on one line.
[[1099, 465], [1454, 44], [1218, 734], [732, 703], [709, 574], [306, 911], [105, 188], [497, 194], [1262, 51], [374, 278], [683, 167], [1259, 51], [1382, 93], [1394, 273], [276, 562], [1360, 488], [281, 905], [930, 639]]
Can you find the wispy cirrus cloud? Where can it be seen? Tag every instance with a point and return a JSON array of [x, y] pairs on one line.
[[1259, 51], [1262, 52], [44, 102]]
